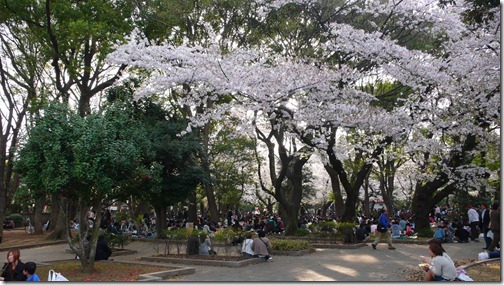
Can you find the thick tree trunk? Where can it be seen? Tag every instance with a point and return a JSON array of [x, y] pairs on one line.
[[339, 204], [160, 220], [60, 227], [421, 206], [55, 209], [192, 210], [37, 217], [290, 199]]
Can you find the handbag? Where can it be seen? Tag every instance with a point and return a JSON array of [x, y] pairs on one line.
[[55, 276], [381, 228], [268, 248]]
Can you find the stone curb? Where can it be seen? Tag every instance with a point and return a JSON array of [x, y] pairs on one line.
[[121, 252], [206, 262], [153, 276], [48, 243], [293, 253], [342, 245], [465, 266]]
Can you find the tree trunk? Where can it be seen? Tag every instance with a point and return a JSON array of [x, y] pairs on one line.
[[192, 209], [160, 220], [60, 227], [55, 209], [421, 207], [339, 204], [37, 217]]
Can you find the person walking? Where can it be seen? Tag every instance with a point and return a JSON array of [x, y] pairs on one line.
[[383, 231], [473, 222], [495, 226]]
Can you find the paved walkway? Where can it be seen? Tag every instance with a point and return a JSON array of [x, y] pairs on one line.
[[360, 264]]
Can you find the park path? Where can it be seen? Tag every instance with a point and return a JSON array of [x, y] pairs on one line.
[[347, 265]]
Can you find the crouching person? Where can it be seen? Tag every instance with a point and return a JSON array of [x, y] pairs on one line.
[[262, 246]]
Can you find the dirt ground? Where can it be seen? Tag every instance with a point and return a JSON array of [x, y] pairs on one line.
[[17, 237]]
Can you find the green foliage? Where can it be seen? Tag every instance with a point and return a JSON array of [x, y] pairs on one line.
[[116, 240], [327, 226], [224, 235], [300, 232], [178, 234], [121, 216], [291, 245], [17, 218], [425, 233], [344, 226]]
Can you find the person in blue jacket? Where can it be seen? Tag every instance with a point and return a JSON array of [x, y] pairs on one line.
[[383, 230]]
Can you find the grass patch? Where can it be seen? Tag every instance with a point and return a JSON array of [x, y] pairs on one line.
[[103, 271]]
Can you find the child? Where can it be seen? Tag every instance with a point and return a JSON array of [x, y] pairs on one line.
[[29, 271]]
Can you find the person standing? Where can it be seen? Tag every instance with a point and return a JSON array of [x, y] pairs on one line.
[[13, 269], [473, 222], [495, 226], [484, 221], [383, 220]]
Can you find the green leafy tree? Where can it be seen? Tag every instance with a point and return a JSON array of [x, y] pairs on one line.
[[83, 159]]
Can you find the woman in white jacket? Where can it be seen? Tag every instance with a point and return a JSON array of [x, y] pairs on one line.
[[246, 250]]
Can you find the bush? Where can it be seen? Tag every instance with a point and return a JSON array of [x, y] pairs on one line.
[[17, 218], [425, 233], [121, 216], [178, 234], [224, 235], [116, 241], [290, 245], [302, 232], [327, 226]]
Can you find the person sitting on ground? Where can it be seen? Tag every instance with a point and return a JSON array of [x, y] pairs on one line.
[[280, 226], [270, 226], [13, 269], [440, 268], [246, 250], [461, 235], [409, 229], [103, 251], [440, 233], [205, 245], [29, 272], [396, 229], [261, 246], [402, 224]]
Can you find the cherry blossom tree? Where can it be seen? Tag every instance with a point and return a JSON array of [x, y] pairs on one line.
[[448, 118]]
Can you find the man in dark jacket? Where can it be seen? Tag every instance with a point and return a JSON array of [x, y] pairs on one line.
[[103, 251], [484, 221], [495, 226]]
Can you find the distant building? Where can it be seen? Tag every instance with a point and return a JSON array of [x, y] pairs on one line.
[[378, 205]]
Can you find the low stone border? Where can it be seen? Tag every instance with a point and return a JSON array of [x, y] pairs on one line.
[[293, 253], [465, 266], [46, 243], [115, 251], [153, 276], [339, 245], [225, 263]]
